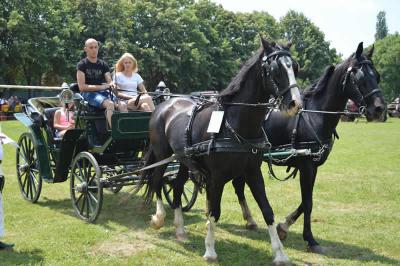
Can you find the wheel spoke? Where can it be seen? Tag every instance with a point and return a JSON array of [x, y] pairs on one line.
[[85, 173], [93, 197], [169, 189], [185, 196], [78, 199], [189, 189], [33, 185], [25, 180], [28, 185], [78, 176], [25, 148], [83, 204], [87, 207], [80, 170]]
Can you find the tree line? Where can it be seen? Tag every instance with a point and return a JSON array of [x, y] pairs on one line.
[[191, 45]]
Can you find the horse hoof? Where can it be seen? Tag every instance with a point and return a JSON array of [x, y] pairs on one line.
[[317, 249], [181, 237], [281, 263], [155, 223], [281, 233], [210, 259], [251, 226]]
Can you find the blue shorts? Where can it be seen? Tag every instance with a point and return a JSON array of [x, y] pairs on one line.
[[96, 98]]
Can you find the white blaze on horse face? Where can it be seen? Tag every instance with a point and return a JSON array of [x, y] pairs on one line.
[[210, 254], [292, 78], [277, 247]]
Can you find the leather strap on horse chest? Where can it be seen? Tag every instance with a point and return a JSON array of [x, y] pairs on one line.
[[219, 145], [225, 144]]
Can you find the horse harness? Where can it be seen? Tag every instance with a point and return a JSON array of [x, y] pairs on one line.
[[318, 148]]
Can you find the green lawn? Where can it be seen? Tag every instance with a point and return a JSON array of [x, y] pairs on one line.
[[356, 215]]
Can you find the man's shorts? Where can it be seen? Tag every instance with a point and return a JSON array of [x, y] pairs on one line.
[[96, 98]]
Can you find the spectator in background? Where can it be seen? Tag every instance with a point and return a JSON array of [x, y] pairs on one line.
[[11, 104]]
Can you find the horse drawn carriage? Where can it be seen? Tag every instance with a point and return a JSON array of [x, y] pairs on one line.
[[91, 155]]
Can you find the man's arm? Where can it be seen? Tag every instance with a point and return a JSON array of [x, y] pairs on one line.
[[83, 87]]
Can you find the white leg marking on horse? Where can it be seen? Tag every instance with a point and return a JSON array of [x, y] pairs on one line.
[[277, 247], [210, 254], [250, 223], [157, 220], [178, 222]]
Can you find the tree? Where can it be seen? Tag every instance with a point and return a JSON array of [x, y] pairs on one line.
[[381, 28], [311, 50], [387, 59]]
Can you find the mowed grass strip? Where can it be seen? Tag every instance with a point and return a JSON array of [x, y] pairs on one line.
[[356, 215]]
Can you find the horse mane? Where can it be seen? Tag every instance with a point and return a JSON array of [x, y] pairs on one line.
[[237, 82], [320, 84]]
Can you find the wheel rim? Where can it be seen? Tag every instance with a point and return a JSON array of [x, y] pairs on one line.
[[28, 172], [189, 194], [86, 189]]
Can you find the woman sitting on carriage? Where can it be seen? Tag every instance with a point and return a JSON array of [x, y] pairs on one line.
[[64, 117], [129, 83]]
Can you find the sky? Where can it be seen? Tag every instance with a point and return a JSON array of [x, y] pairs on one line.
[[345, 23]]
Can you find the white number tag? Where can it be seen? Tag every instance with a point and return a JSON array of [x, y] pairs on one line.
[[215, 121]]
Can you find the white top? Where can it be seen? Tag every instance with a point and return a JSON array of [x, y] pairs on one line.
[[128, 85]]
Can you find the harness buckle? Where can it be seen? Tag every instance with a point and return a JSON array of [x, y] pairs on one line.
[[254, 150]]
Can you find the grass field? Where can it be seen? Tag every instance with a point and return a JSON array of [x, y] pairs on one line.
[[356, 215]]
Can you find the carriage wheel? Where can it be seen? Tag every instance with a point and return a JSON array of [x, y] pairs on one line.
[[28, 171], [190, 190], [86, 188]]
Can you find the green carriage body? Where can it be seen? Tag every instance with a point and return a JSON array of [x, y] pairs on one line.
[[121, 144], [91, 155]]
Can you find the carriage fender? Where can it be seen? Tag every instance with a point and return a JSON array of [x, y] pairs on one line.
[[40, 144]]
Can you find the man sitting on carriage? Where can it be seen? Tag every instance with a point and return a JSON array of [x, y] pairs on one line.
[[94, 80]]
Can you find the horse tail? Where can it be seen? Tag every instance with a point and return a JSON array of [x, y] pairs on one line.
[[146, 176]]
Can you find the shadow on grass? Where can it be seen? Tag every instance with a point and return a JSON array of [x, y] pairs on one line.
[[229, 252], [335, 250], [13, 257], [133, 214]]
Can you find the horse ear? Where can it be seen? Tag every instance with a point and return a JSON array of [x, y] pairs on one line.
[[359, 50], [267, 46], [371, 52], [289, 45]]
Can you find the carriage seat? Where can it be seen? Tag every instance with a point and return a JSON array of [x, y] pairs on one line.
[[51, 132]]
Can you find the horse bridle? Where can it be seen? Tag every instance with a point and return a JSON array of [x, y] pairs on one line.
[[271, 66], [354, 78]]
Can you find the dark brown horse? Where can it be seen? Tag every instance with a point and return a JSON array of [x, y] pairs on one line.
[[357, 79], [179, 126]]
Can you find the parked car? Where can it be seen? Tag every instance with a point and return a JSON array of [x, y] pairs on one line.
[[393, 108]]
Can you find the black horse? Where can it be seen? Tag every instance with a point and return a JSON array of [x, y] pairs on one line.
[[355, 78], [179, 126]]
